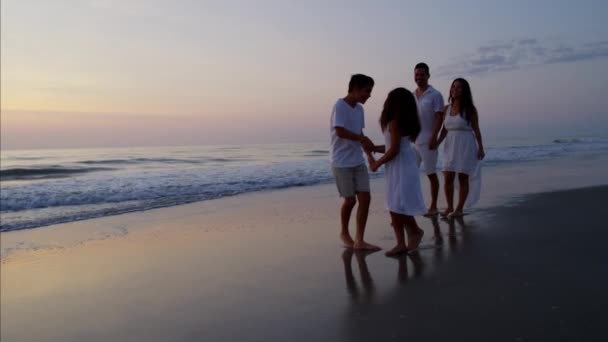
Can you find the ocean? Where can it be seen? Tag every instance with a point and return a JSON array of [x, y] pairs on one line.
[[44, 187]]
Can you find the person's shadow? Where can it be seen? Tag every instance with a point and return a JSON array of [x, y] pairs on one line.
[[362, 292], [377, 312]]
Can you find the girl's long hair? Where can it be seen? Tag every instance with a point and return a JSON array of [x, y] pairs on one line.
[[467, 107], [401, 105]]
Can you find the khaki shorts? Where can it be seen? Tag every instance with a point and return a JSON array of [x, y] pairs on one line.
[[351, 180]]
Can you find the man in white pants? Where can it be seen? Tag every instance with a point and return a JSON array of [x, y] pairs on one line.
[[430, 110]]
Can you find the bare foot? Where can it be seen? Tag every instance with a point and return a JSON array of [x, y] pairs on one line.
[[431, 212], [447, 212], [347, 240], [456, 213], [396, 251], [365, 246], [414, 240], [361, 254]]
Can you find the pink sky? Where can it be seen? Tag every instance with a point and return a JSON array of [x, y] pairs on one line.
[[128, 73]]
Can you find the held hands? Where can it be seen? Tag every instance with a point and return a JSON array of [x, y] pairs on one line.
[[367, 144], [368, 147], [373, 164], [481, 154], [433, 144]]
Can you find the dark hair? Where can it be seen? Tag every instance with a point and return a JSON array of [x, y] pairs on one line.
[[401, 105], [359, 81], [423, 66], [467, 108]]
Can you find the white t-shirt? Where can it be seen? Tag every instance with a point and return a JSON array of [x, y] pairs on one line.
[[345, 152], [429, 103]]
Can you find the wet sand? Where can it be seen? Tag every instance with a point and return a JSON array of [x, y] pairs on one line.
[[269, 267], [535, 271]]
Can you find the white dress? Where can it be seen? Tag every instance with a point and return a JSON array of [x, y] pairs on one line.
[[403, 190], [460, 153]]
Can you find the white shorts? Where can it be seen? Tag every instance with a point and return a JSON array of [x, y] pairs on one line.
[[428, 158]]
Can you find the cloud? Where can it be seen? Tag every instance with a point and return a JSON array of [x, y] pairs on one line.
[[597, 44], [499, 56], [495, 47], [527, 41], [491, 60]]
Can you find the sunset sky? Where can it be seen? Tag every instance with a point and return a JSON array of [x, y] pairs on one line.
[[95, 73]]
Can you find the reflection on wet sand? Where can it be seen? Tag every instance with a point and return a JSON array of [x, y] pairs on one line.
[[365, 277], [505, 282], [376, 310], [363, 290], [457, 237], [437, 235]]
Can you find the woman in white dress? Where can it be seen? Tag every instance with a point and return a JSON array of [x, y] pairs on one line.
[[400, 125], [463, 148]]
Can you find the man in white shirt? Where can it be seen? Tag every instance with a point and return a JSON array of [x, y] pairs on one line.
[[347, 161], [430, 110]]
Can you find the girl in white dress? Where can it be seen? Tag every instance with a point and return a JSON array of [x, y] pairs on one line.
[[463, 148], [400, 125]]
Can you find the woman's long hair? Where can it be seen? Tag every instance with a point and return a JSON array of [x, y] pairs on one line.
[[401, 105], [467, 108]]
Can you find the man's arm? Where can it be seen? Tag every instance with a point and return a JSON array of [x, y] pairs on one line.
[[442, 135], [343, 133], [338, 121], [443, 132], [436, 127], [438, 107]]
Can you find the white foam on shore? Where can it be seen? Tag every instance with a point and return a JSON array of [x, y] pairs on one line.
[[146, 180], [500, 187]]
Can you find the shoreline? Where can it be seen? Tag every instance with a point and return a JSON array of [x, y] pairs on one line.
[[277, 269], [581, 163], [504, 185]]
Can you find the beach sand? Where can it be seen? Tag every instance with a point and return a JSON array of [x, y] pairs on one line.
[[269, 267]]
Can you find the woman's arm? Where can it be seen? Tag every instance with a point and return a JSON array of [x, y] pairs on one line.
[[395, 132], [376, 149], [475, 125], [379, 148]]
